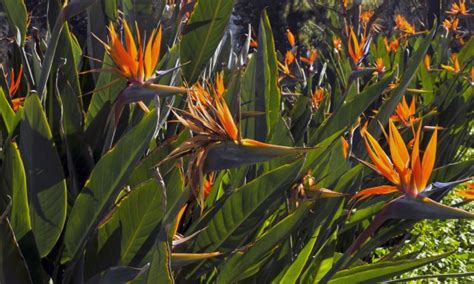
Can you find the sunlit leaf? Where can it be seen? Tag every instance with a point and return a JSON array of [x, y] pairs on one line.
[[104, 183], [202, 34], [44, 176], [377, 272]]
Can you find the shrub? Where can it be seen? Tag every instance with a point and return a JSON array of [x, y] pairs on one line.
[[160, 150]]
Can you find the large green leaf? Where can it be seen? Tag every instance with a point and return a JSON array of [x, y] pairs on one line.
[[267, 96], [145, 169], [146, 14], [7, 115], [97, 22], [387, 109], [247, 93], [44, 176], [105, 91], [183, 259], [453, 171], [323, 260], [118, 274], [202, 35], [322, 149], [160, 269], [238, 263], [73, 8], [377, 272], [293, 270], [65, 114], [135, 224], [13, 267], [17, 17], [439, 277], [348, 113], [67, 81], [238, 208], [176, 196], [14, 179], [104, 183]]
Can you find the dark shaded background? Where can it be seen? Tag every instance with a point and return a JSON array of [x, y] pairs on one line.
[[300, 16]]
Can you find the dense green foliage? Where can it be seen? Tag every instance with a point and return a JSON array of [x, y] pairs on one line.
[[173, 145]]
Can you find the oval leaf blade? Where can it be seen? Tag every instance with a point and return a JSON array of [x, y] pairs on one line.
[[14, 178], [104, 183], [44, 176], [202, 35]]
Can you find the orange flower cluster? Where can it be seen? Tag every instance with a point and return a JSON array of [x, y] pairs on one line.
[[355, 47], [459, 9], [391, 46], [451, 24], [337, 43], [210, 114], [13, 89], [404, 113], [409, 174], [135, 61], [290, 57], [404, 26], [365, 17], [311, 58], [318, 97], [455, 67], [379, 66]]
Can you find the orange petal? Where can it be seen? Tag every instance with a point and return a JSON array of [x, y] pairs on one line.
[[118, 53], [219, 81], [377, 190], [466, 194], [447, 68], [311, 58], [226, 119], [385, 42], [313, 55], [416, 161], [398, 149], [412, 106], [427, 62], [291, 38], [149, 64], [353, 49], [17, 103], [345, 147], [15, 81], [355, 41], [429, 158], [289, 57], [131, 46], [457, 68], [156, 48], [178, 219], [380, 159]]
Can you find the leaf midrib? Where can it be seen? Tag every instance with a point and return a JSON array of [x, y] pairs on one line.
[[134, 235], [240, 222]]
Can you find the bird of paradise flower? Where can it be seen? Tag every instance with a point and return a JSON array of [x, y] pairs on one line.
[[217, 143], [136, 61], [408, 174], [13, 88]]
